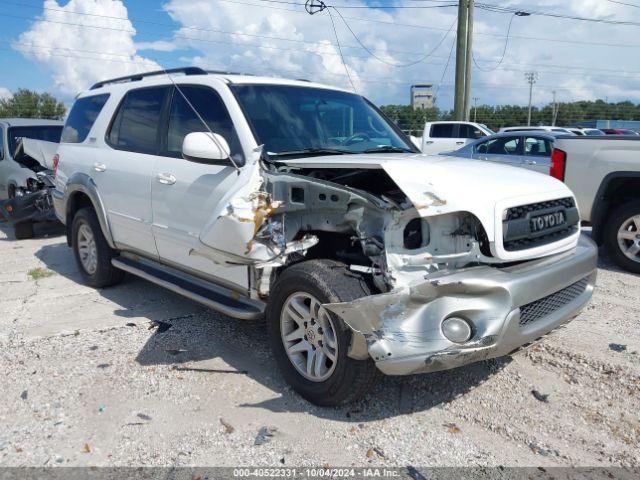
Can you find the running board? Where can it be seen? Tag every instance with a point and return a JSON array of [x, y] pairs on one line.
[[218, 298]]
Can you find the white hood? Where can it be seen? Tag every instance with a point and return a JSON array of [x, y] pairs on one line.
[[40, 150], [438, 185]]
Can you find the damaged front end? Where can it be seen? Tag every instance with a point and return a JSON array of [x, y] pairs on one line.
[[32, 201], [431, 260]]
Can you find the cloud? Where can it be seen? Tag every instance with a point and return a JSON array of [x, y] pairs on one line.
[[159, 46], [5, 93], [281, 39], [574, 67], [78, 56], [290, 43]]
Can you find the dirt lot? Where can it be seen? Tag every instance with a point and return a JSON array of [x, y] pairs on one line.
[[86, 381]]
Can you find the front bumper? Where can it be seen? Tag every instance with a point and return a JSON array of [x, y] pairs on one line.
[[32, 207], [402, 327]]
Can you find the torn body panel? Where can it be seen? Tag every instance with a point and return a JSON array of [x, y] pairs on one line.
[[428, 257]]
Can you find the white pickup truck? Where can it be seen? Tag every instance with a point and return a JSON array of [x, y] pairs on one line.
[[604, 174], [441, 137], [301, 204]]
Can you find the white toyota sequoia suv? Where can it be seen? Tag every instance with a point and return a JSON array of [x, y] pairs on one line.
[[302, 204]]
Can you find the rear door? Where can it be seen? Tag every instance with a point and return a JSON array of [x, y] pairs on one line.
[[186, 194], [537, 154], [123, 172]]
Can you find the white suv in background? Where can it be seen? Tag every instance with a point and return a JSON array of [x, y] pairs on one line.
[[301, 204]]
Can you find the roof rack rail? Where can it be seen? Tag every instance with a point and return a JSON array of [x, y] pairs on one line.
[[139, 76]]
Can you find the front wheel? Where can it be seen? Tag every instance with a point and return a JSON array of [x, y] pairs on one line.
[[23, 230], [310, 343], [622, 236]]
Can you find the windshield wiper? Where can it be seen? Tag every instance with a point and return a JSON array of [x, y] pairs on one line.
[[388, 149], [312, 151]]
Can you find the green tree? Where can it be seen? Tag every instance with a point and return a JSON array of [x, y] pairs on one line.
[[29, 104]]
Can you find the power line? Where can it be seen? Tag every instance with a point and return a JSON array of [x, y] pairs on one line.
[[357, 19], [624, 3], [499, 9], [269, 47], [504, 51], [410, 64], [344, 64]]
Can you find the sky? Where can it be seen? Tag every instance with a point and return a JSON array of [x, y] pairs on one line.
[[63, 47]]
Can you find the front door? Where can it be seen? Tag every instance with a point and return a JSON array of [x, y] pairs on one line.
[[505, 150], [186, 193]]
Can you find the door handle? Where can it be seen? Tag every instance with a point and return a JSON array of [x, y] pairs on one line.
[[99, 167], [459, 143], [429, 142], [166, 178]]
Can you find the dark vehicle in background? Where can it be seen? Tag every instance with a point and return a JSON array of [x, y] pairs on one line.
[[528, 149]]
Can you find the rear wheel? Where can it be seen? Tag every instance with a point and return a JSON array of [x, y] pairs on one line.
[[92, 252], [622, 236], [310, 343]]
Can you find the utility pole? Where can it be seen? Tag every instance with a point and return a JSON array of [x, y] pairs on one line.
[[468, 59], [554, 111], [475, 108], [531, 78], [461, 61]]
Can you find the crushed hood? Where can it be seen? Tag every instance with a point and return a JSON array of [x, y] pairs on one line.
[[436, 185], [39, 150]]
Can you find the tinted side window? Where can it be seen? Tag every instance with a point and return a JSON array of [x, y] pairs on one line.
[[442, 130], [468, 131], [501, 146], [82, 117], [1, 143], [183, 120], [137, 122], [537, 147]]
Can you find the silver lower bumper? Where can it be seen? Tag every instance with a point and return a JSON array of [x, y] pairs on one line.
[[402, 328]]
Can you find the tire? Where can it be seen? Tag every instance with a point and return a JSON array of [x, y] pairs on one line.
[[101, 273], [621, 216], [23, 230], [327, 281]]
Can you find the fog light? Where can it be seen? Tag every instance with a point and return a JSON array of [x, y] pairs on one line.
[[456, 329]]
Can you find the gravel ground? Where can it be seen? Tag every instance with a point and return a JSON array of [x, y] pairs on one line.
[[88, 381]]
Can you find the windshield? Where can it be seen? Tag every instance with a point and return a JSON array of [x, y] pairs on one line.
[[486, 129], [292, 120], [48, 133]]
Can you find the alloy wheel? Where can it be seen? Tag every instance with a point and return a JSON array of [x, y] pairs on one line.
[[309, 336], [87, 249]]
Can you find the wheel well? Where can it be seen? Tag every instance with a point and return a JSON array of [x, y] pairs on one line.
[[77, 201], [618, 191]]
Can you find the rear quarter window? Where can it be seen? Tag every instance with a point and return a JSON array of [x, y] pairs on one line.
[[83, 115]]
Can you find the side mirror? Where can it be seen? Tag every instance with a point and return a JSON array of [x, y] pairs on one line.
[[477, 134], [204, 147]]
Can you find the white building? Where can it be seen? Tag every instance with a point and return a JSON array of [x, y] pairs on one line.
[[422, 96]]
